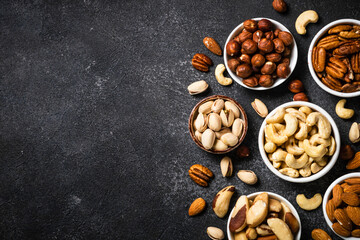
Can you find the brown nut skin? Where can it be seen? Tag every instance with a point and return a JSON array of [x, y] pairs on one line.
[[266, 45], [255, 69], [233, 48], [296, 86], [244, 36], [269, 35], [257, 36], [286, 52], [346, 153], [265, 25], [300, 97], [273, 57], [244, 70], [279, 6], [233, 64], [319, 234], [243, 151], [248, 47], [283, 70], [276, 32], [251, 81], [212, 45], [258, 60], [245, 58], [266, 81], [285, 61], [286, 38], [278, 45], [268, 68], [251, 25]]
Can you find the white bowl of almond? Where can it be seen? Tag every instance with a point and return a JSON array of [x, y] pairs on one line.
[[263, 214]]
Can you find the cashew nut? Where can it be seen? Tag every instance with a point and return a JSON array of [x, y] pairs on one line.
[[291, 124], [279, 155], [342, 112], [290, 172], [296, 113], [315, 167], [313, 130], [303, 132], [278, 117], [304, 19], [274, 136], [305, 110], [314, 151], [321, 161], [270, 147], [292, 162], [316, 140], [323, 124], [309, 204], [219, 74], [292, 148], [332, 147], [276, 164], [306, 171]]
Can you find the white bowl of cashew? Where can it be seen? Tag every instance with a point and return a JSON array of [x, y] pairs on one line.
[[328, 166]]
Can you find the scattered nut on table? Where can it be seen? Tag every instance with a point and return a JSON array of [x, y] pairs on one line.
[[226, 167], [219, 74], [212, 45], [215, 233], [304, 19], [309, 204], [221, 201], [354, 132], [342, 112], [260, 108], [198, 87], [247, 176], [197, 206]]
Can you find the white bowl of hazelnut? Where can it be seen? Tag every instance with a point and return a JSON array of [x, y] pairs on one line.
[[299, 142], [263, 214], [334, 58], [260, 54]]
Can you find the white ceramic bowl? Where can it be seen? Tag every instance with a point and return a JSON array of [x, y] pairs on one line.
[[274, 196], [332, 161], [293, 56], [328, 195], [322, 32]]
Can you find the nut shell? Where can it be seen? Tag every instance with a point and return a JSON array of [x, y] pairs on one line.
[[282, 70]]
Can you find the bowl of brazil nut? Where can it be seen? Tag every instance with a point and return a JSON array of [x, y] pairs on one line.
[[218, 124], [341, 206], [260, 54], [299, 142], [263, 214], [334, 58]]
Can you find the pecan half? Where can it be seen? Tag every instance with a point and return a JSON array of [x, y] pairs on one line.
[[200, 174], [201, 62], [348, 88], [332, 83], [350, 34], [349, 76], [339, 28], [336, 68], [318, 59], [355, 62], [329, 42], [347, 49]]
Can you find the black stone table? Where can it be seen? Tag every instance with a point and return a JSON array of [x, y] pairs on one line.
[[94, 108]]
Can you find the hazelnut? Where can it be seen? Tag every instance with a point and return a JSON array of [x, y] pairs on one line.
[[265, 25], [278, 45], [233, 48], [244, 36], [286, 38], [286, 52], [346, 152], [233, 64], [266, 81], [244, 70], [250, 82], [257, 36], [266, 45], [279, 6], [269, 35], [243, 151], [255, 69], [244, 58], [250, 25], [276, 32], [283, 70], [273, 57], [268, 68], [296, 86], [257, 60], [300, 97], [285, 60], [249, 47]]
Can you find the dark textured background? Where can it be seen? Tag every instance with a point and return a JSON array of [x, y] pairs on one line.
[[93, 119]]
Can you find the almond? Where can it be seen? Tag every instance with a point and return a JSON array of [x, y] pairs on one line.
[[355, 233], [330, 209], [354, 214], [353, 188], [319, 234], [354, 180], [197, 207], [340, 230], [355, 162], [351, 199], [337, 192], [343, 218], [212, 45], [345, 186]]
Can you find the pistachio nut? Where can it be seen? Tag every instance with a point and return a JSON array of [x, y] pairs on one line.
[[260, 108], [215, 233], [354, 133], [214, 122], [197, 87], [229, 139], [218, 105], [233, 107], [208, 138], [221, 201], [247, 176], [198, 135], [219, 145], [226, 166], [227, 117], [237, 127], [205, 108], [222, 132], [201, 122]]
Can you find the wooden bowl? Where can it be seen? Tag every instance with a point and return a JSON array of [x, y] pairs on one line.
[[194, 114]]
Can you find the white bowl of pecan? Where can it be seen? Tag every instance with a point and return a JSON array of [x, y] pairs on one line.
[[260, 54], [341, 206], [334, 58]]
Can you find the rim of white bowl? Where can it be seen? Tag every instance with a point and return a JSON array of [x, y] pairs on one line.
[[317, 175], [275, 196], [311, 68], [326, 198], [279, 81]]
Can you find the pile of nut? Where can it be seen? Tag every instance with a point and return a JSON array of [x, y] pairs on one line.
[[260, 53], [336, 58], [218, 125], [343, 209], [298, 141], [262, 218]]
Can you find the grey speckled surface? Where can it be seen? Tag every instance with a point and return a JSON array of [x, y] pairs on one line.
[[93, 119]]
